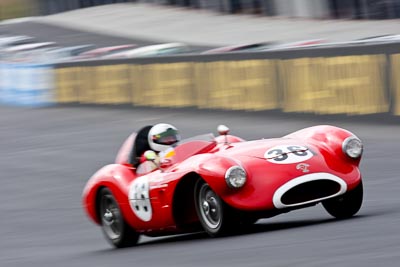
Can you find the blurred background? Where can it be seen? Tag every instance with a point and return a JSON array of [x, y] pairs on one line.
[[78, 76], [305, 56], [352, 9]]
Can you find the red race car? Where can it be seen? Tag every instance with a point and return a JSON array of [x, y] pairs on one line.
[[221, 184]]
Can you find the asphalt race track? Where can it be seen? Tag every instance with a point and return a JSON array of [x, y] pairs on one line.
[[48, 154]]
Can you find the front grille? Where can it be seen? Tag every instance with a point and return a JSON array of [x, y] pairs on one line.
[[309, 191]]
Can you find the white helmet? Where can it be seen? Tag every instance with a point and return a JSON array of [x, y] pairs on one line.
[[162, 136]]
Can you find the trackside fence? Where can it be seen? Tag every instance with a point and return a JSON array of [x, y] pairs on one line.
[[347, 80]]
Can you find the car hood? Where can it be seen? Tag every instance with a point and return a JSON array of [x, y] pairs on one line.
[[281, 156], [265, 148]]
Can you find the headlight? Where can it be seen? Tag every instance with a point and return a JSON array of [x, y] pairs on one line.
[[352, 147], [235, 177]]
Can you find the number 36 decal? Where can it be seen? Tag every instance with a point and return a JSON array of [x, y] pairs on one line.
[[288, 154]]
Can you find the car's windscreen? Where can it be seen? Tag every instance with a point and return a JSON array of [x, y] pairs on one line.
[[203, 137], [189, 147]]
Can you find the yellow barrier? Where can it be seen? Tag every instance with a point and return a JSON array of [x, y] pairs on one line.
[[395, 80], [240, 85], [94, 85], [346, 84], [87, 89], [163, 85], [68, 84], [112, 84], [244, 85]]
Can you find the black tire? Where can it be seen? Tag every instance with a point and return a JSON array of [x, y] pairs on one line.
[[346, 205], [214, 214], [113, 225]]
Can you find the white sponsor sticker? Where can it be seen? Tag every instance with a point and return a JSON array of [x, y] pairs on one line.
[[285, 154], [139, 198]]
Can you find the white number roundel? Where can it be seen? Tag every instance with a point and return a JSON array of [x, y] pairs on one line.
[[139, 198], [285, 154]]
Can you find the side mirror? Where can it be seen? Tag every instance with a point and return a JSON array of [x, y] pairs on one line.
[[150, 155], [223, 130]]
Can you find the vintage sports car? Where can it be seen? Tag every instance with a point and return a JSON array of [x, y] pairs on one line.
[[221, 184]]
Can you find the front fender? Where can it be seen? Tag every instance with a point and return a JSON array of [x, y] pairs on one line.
[[329, 140], [212, 169], [115, 177], [264, 178]]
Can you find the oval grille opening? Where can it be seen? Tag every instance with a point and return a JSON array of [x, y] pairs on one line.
[[309, 191]]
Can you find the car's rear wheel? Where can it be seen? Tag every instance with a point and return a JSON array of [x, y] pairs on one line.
[[346, 205], [114, 227], [213, 213]]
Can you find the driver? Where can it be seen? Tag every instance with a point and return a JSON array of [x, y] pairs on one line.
[[160, 138]]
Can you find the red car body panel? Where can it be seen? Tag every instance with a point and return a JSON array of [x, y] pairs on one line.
[[317, 154]]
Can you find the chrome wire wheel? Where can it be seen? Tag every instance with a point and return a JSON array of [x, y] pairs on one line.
[[214, 215], [210, 209], [116, 230], [111, 217]]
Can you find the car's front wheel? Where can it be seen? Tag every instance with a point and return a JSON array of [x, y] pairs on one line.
[[346, 205], [114, 227], [213, 213]]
